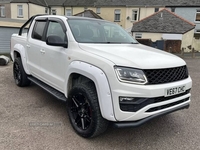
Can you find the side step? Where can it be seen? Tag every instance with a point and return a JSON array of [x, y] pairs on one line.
[[49, 89]]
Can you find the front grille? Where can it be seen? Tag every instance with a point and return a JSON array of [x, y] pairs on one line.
[[142, 102], [159, 76]]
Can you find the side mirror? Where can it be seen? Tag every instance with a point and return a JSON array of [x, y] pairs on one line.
[[54, 40]]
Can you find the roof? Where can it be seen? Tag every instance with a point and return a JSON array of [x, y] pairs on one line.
[[5, 1], [77, 3], [147, 2], [163, 21], [37, 2], [55, 2], [88, 13], [141, 3]]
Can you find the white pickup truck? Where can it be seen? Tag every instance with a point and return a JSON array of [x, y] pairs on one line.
[[103, 74]]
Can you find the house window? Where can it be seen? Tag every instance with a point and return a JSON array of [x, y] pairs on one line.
[[19, 11], [53, 11], [134, 15], [2, 11], [198, 15], [173, 9], [46, 10], [117, 15], [68, 12], [55, 29], [138, 35], [98, 10], [156, 9]]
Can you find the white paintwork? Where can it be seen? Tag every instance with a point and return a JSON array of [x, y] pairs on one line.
[[134, 55], [97, 61], [172, 36], [133, 90], [101, 83]]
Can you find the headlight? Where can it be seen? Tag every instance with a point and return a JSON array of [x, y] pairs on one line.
[[130, 75]]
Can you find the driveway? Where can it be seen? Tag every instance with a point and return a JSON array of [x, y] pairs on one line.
[[32, 119]]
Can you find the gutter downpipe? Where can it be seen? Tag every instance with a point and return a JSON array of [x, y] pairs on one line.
[[28, 10]]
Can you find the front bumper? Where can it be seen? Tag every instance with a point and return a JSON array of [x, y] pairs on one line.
[[142, 121], [150, 110]]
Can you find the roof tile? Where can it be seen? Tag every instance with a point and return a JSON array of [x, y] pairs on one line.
[[163, 21]]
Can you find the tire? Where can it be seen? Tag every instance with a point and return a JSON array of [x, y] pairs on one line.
[[84, 112], [19, 74]]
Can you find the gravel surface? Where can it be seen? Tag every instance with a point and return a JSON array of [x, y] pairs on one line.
[[32, 119]]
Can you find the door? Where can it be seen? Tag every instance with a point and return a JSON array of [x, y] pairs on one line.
[[34, 48], [54, 58], [5, 34], [173, 46]]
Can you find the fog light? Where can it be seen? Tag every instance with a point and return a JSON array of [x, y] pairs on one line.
[[132, 100], [126, 99]]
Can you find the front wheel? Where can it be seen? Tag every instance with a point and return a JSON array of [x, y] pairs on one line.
[[20, 75], [84, 112]]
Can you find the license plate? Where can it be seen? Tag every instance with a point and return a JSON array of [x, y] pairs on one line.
[[174, 90]]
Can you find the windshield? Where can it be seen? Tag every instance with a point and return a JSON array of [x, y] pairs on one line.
[[99, 31]]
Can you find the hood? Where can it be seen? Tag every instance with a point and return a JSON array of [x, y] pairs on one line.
[[134, 55]]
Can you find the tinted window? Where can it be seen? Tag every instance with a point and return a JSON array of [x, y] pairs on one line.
[[55, 29], [38, 30]]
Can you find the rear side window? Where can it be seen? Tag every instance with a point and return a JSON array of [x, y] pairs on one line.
[[38, 30]]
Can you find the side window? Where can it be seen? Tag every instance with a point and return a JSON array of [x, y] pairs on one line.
[[55, 29], [38, 30]]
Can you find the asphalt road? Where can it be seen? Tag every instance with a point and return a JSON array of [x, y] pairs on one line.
[[31, 119]]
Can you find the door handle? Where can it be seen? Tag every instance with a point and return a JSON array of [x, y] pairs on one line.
[[28, 46], [42, 51]]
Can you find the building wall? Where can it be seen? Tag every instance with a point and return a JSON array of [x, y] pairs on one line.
[[59, 10], [36, 9], [128, 17], [28, 10], [187, 40], [188, 13], [153, 36], [147, 11], [196, 44], [107, 13], [14, 11], [76, 10], [7, 11]]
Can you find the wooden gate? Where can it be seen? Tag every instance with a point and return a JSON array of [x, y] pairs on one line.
[[173, 46]]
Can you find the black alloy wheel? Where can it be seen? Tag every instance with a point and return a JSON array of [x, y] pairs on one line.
[[84, 111], [19, 74], [81, 111]]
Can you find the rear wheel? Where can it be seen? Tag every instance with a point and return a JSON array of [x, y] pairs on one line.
[[84, 112], [20, 75]]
